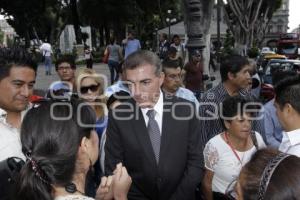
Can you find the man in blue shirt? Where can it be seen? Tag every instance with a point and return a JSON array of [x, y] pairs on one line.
[[131, 44], [273, 129]]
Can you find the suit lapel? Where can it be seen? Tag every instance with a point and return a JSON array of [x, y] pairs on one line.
[[142, 135]]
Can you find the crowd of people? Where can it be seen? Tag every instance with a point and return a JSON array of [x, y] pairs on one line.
[[154, 134]]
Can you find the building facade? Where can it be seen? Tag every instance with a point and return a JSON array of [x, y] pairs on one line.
[[278, 24]]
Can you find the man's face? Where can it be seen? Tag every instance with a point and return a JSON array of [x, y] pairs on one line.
[[172, 79], [176, 41], [130, 36], [144, 84], [65, 72], [16, 89], [242, 78]]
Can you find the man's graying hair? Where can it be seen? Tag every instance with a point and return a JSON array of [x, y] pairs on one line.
[[142, 57]]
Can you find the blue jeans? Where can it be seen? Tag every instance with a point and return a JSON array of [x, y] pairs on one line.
[[48, 64], [113, 68]]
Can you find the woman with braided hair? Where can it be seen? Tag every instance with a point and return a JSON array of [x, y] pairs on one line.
[[270, 175], [60, 143]]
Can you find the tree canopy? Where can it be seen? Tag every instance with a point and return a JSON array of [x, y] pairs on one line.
[[248, 19]]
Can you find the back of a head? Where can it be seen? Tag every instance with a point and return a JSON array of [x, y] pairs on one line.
[[142, 57], [283, 181], [14, 57], [67, 59], [50, 135], [288, 91], [233, 64], [279, 75]]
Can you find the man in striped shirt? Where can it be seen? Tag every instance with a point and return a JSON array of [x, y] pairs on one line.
[[235, 76]]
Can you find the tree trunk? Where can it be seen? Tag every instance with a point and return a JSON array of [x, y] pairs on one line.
[[101, 39], [206, 54], [76, 22]]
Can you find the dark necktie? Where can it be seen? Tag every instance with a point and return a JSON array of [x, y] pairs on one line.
[[154, 133]]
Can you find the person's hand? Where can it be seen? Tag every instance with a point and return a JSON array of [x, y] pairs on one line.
[[121, 183], [105, 189]]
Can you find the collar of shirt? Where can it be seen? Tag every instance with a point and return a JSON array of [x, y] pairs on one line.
[[293, 136], [3, 115], [223, 92], [158, 107]]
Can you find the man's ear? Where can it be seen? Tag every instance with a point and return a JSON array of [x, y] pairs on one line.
[[289, 108], [161, 78], [230, 75]]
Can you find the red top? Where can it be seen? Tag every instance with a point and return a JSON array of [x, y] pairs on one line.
[[193, 77]]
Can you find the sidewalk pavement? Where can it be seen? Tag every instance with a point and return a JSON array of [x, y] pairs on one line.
[[43, 82]]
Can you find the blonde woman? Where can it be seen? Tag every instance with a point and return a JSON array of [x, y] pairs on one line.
[[90, 87]]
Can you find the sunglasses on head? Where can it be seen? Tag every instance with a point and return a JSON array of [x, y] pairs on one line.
[[92, 88]]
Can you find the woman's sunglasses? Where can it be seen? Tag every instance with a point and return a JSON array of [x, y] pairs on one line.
[[92, 88]]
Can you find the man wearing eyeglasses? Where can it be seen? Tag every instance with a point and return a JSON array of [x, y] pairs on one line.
[[65, 68], [172, 84]]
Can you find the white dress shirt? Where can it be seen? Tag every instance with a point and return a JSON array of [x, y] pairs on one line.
[[10, 142], [159, 109], [291, 142]]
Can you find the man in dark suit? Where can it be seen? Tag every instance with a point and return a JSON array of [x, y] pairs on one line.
[[162, 151]]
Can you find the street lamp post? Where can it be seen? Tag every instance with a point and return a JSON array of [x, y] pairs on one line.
[[168, 19]]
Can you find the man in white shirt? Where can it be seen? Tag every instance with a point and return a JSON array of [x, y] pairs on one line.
[[46, 51], [287, 103], [17, 78], [154, 136]]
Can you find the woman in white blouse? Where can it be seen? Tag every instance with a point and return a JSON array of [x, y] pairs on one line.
[[227, 152]]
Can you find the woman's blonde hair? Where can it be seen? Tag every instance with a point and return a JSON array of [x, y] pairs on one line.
[[82, 73]]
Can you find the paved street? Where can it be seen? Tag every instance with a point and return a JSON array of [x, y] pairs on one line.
[[43, 82]]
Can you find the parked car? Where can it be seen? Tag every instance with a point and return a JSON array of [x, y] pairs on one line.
[[267, 89], [264, 59], [275, 64]]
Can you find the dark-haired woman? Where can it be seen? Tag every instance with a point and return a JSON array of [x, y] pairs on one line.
[[60, 143], [227, 152], [270, 175]]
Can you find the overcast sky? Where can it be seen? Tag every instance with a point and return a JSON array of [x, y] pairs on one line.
[[294, 19]]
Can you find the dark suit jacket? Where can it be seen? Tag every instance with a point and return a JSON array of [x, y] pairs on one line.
[[180, 165]]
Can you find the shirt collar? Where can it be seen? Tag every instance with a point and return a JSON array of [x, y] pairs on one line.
[[3, 115], [293, 136], [223, 91], [158, 107]]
